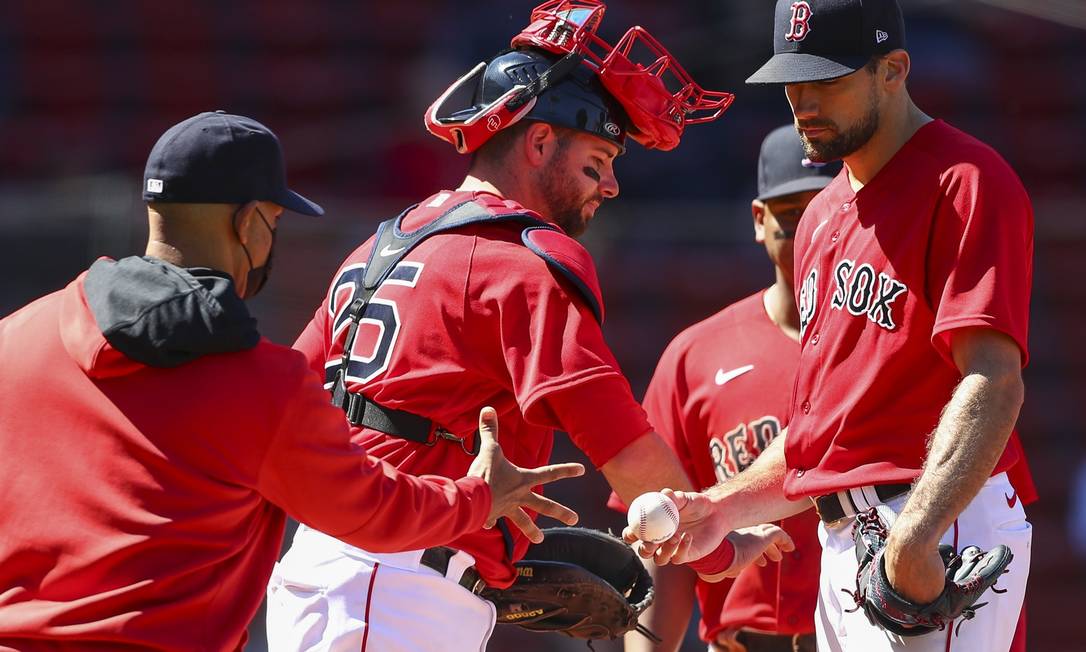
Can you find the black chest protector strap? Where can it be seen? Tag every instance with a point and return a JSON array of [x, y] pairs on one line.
[[390, 247]]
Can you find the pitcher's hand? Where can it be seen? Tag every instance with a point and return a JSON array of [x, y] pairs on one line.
[[701, 529], [917, 572]]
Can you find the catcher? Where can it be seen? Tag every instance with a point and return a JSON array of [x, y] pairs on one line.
[[481, 295]]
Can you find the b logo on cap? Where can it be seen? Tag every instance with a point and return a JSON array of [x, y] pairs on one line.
[[799, 28]]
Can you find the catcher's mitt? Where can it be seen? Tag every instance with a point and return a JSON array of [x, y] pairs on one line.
[[968, 575], [582, 583]]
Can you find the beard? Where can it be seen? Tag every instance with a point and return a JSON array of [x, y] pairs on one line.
[[846, 142], [566, 203]]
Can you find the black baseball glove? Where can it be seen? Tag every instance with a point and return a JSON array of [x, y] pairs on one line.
[[968, 575], [582, 583]]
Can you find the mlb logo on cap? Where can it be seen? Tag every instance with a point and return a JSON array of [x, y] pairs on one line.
[[817, 40]]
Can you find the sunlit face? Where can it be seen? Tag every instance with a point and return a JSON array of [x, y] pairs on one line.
[[775, 223], [835, 118], [579, 176]]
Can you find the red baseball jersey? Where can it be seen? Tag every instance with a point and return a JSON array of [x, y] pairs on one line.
[[940, 239], [469, 318], [720, 394], [142, 507]]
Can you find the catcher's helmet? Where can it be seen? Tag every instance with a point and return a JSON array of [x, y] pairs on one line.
[[563, 73], [566, 94]]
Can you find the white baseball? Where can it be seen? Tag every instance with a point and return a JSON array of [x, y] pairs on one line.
[[653, 516]]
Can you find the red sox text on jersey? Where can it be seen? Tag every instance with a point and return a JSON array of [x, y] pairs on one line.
[[859, 289], [883, 279]]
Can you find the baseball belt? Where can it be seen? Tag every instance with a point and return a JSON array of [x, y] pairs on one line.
[[438, 559], [833, 507]]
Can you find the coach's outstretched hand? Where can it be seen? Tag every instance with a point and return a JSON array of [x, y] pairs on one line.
[[511, 486]]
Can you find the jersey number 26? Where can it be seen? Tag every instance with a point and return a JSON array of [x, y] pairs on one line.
[[378, 329]]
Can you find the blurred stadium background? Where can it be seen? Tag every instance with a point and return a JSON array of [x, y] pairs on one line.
[[86, 88]]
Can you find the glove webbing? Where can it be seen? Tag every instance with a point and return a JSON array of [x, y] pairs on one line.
[[896, 613], [872, 533]]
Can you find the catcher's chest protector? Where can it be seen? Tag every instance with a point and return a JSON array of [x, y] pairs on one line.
[[561, 253]]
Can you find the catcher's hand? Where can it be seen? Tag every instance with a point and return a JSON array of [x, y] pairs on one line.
[[582, 583], [968, 575]]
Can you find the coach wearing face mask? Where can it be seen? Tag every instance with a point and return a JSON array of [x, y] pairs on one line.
[[152, 442]]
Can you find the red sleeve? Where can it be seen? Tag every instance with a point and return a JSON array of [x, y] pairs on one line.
[[317, 476], [980, 260], [552, 350], [600, 416]]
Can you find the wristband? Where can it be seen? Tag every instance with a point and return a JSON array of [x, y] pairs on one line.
[[716, 561]]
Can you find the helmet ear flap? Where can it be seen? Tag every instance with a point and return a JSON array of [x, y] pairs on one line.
[[442, 121], [517, 95], [459, 142]]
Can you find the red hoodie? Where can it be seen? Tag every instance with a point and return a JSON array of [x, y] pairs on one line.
[[143, 506]]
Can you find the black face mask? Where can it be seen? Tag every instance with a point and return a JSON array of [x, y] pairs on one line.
[[257, 277]]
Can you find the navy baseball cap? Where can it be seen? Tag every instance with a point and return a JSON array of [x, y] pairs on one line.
[[816, 40], [783, 168], [219, 158]]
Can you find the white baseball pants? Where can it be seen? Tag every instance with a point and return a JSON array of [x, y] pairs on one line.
[[995, 516], [328, 596]]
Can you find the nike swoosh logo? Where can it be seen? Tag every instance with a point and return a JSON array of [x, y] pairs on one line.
[[724, 376], [817, 228], [391, 252], [1012, 499]]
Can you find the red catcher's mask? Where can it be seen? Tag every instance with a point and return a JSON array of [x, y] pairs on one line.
[[657, 94]]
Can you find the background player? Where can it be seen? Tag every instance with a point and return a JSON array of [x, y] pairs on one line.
[[914, 274], [719, 397], [488, 313]]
